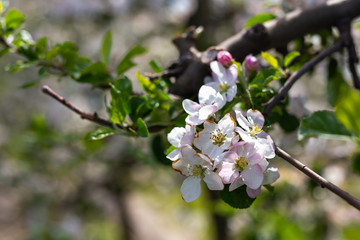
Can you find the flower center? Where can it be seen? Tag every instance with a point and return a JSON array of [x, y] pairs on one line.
[[218, 138], [197, 170], [255, 130], [241, 163], [224, 87]]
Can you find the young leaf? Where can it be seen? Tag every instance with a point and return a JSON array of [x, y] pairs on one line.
[[106, 48], [96, 74], [126, 63], [270, 59], [237, 198], [290, 57], [336, 84], [155, 66], [259, 18], [323, 124], [347, 112], [13, 19], [99, 133], [142, 129]]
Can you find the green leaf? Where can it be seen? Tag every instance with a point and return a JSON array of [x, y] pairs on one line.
[[237, 198], [336, 84], [13, 19], [265, 76], [347, 110], [157, 146], [124, 86], [126, 63], [96, 74], [155, 66], [270, 59], [290, 57], [288, 122], [99, 133], [259, 18], [323, 124], [106, 48], [142, 129]]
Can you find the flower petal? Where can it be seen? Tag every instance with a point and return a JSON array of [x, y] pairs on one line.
[[244, 135], [191, 107], [206, 111], [227, 124], [253, 176], [174, 155], [207, 95], [191, 189], [228, 173], [237, 183], [175, 135], [213, 181], [218, 69], [193, 120], [255, 118], [243, 122], [271, 175], [253, 193], [231, 74]]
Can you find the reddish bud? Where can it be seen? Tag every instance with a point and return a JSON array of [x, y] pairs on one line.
[[224, 58], [251, 63]]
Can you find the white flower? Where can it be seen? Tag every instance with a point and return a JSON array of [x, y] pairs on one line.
[[196, 167], [251, 131], [223, 80], [216, 138], [210, 102], [178, 137]]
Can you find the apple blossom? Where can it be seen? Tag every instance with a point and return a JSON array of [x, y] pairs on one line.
[[196, 166], [215, 138], [223, 80], [250, 130], [178, 137], [251, 64], [225, 58], [210, 101]]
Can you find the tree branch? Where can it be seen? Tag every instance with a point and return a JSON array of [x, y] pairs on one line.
[[317, 178], [296, 75]]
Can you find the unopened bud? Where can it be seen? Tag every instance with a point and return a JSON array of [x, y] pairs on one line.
[[251, 63], [224, 58]]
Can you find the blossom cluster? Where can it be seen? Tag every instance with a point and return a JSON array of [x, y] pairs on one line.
[[225, 151]]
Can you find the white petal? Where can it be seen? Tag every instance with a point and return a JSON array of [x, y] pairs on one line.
[[243, 122], [206, 111], [191, 189], [219, 100], [181, 166], [213, 181], [271, 175], [191, 107], [218, 69], [227, 124], [231, 93], [255, 118], [174, 155], [231, 74], [193, 120], [237, 183], [253, 176], [253, 193], [265, 145], [244, 135], [187, 152], [175, 135], [207, 95]]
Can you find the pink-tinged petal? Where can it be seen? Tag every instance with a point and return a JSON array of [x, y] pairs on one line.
[[175, 135], [244, 135], [227, 124], [231, 74], [236, 184], [181, 166], [191, 189], [231, 93], [193, 120], [230, 157], [218, 69], [263, 164], [219, 159], [265, 145], [253, 193], [206, 111], [215, 78], [211, 150], [253, 176], [271, 175], [255, 118], [187, 152], [191, 107], [207, 95], [243, 122], [203, 160], [174, 155], [228, 173], [213, 181]]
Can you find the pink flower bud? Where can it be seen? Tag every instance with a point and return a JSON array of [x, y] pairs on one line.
[[251, 63], [224, 58]]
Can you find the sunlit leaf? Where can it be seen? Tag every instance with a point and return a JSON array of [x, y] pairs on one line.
[[100, 133], [259, 18], [323, 124], [270, 59], [142, 129], [126, 63], [13, 19], [290, 57]]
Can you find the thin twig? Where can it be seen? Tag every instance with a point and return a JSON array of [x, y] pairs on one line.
[[317, 178], [296, 75], [93, 117], [165, 74]]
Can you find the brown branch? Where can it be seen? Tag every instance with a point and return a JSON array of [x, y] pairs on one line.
[[317, 178], [296, 75]]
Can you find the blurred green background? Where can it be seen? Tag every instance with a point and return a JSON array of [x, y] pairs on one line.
[[56, 185]]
